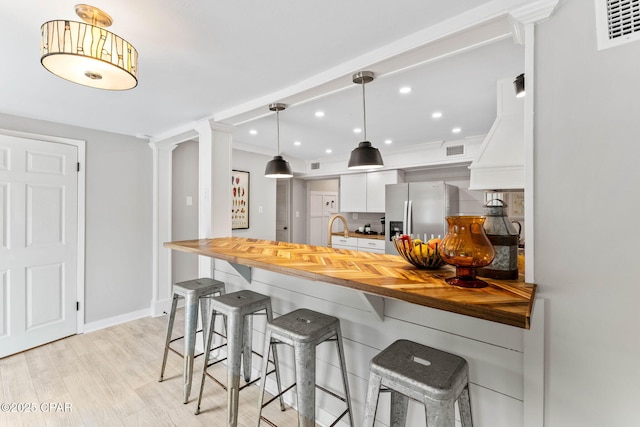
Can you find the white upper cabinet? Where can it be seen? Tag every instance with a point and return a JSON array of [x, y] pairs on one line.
[[376, 182], [364, 192], [353, 193]]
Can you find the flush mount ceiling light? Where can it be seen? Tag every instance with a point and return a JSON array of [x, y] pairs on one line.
[[365, 155], [518, 85], [87, 54], [278, 167]]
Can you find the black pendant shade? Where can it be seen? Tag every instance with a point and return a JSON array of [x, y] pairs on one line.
[[518, 85], [365, 155], [278, 167]]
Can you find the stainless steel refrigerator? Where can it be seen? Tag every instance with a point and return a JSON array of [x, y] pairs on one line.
[[418, 208]]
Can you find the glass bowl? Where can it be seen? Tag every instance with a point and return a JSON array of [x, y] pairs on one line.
[[421, 254]]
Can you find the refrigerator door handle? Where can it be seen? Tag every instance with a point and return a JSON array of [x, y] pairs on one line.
[[404, 218], [410, 218]]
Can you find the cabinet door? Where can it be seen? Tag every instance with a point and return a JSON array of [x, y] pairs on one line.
[[353, 193], [344, 242], [376, 182], [329, 204], [371, 245], [316, 205]]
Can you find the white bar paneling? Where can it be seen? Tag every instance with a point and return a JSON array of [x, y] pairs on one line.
[[496, 368]]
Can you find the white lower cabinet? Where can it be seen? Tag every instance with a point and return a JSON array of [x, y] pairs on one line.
[[358, 244], [341, 242], [371, 245]]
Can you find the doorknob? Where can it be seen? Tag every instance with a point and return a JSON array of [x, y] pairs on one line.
[[284, 228]]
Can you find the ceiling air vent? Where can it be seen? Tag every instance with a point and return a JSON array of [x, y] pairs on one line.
[[617, 22], [455, 150], [315, 165]]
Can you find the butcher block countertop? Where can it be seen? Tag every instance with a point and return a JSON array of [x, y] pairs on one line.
[[504, 301]]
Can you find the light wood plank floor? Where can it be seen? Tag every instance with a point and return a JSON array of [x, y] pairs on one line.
[[110, 378]]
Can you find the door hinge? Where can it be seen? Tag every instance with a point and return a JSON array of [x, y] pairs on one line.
[[78, 167], [77, 305]]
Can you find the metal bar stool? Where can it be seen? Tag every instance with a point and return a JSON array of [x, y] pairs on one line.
[[433, 377], [194, 292], [238, 308], [303, 330]]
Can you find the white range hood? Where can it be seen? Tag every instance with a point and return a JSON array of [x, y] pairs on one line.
[[500, 162]]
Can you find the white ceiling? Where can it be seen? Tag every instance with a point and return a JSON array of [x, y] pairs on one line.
[[228, 60]]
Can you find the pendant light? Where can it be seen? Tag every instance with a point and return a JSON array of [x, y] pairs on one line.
[[365, 155], [278, 167], [86, 53], [518, 85]]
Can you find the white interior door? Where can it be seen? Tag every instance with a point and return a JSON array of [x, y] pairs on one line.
[[322, 204], [283, 229], [38, 242]]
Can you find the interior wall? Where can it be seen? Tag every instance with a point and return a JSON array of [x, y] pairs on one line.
[[586, 153], [331, 184], [118, 216], [262, 196], [184, 219], [299, 211]]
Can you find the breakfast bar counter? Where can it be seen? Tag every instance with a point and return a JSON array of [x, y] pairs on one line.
[[509, 302]]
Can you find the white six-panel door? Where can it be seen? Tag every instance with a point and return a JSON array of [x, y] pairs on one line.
[[38, 242]]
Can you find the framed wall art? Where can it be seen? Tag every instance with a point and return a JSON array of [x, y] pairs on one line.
[[516, 206], [239, 199]]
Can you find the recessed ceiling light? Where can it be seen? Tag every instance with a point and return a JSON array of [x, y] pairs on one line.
[[456, 130], [388, 141], [319, 113], [436, 115], [357, 130], [296, 143], [328, 151], [253, 132], [405, 89]]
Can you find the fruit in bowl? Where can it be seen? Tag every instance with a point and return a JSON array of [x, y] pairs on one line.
[[419, 253]]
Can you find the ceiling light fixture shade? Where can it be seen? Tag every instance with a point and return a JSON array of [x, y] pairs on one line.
[[518, 85], [87, 54], [365, 155], [278, 167]]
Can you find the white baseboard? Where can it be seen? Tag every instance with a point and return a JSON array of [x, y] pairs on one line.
[[159, 308], [116, 320]]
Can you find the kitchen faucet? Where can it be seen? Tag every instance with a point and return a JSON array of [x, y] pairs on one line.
[[346, 229]]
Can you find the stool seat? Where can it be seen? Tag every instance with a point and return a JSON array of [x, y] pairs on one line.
[[244, 301], [198, 287], [428, 375], [193, 291], [304, 329], [304, 326], [238, 308]]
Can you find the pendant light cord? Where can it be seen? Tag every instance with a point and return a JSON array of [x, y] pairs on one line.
[[278, 129], [364, 113]]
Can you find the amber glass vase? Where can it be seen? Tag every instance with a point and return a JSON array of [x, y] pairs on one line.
[[466, 247]]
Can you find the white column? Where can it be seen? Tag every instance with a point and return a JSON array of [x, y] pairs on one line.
[[214, 154], [161, 277]]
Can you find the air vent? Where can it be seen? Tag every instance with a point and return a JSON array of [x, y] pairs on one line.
[[618, 22], [315, 165], [455, 150]]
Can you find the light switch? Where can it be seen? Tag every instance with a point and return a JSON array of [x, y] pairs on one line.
[[189, 200], [260, 209], [297, 214]]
